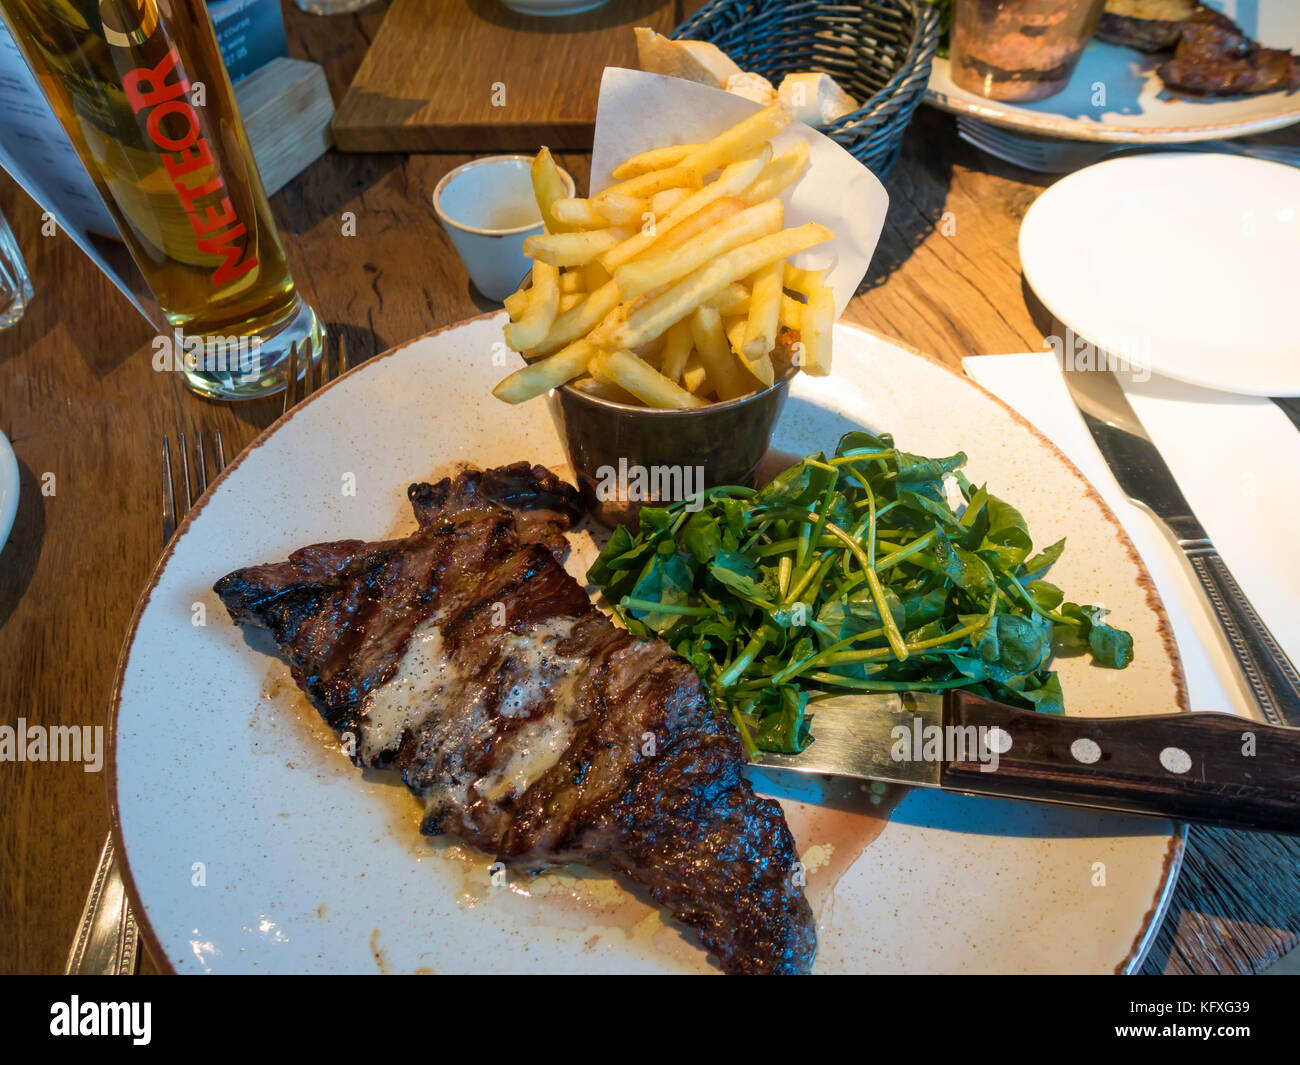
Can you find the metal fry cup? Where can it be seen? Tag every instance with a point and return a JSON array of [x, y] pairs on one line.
[[626, 457]]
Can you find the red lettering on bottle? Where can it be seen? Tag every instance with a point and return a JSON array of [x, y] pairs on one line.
[[183, 163], [223, 244], [160, 137], [147, 86], [205, 221]]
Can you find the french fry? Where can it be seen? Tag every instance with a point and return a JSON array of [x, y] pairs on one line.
[[764, 313], [624, 369], [763, 370], [734, 299], [593, 275], [716, 212], [694, 377], [569, 300], [734, 178], [778, 175], [578, 213], [797, 279], [578, 320], [538, 378], [516, 303], [791, 312], [725, 373], [657, 314], [678, 344], [540, 313], [663, 202], [638, 278], [572, 248], [594, 386], [548, 187], [572, 281], [815, 332], [654, 159], [648, 184], [622, 210], [739, 141]]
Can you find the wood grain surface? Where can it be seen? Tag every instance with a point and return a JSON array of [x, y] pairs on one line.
[[86, 415], [474, 76]]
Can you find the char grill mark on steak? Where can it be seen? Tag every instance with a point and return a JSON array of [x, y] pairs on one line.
[[465, 657]]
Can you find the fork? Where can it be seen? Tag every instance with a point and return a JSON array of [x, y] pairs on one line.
[[312, 376], [1050, 155], [108, 938]]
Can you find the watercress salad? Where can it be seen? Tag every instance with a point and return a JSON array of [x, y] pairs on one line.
[[851, 573]]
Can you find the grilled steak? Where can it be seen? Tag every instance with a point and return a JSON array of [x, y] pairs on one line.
[[1214, 57], [465, 657]]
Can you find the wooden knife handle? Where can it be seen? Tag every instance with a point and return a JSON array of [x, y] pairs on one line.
[[1207, 767]]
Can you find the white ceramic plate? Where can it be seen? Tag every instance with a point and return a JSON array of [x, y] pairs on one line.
[[1115, 95], [8, 488], [252, 844], [1185, 262]]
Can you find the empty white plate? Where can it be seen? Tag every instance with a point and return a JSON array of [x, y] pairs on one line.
[[1183, 262]]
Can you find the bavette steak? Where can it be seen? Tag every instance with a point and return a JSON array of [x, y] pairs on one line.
[[465, 657]]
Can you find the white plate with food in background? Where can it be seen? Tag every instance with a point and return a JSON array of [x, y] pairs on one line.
[[1115, 94], [251, 843], [8, 489], [1183, 263]]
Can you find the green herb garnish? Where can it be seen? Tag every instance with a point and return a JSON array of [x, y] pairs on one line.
[[850, 574]]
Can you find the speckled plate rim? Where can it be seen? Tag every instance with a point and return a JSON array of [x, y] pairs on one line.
[[1174, 851], [1024, 121]]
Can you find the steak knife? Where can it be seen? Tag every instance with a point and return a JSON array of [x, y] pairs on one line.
[[1213, 768], [1145, 478]]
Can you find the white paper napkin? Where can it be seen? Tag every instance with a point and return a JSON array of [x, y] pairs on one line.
[[1236, 459], [638, 111]]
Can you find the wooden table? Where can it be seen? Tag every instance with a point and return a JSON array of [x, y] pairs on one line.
[[86, 413]]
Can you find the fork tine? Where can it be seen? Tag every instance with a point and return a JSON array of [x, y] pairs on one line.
[[185, 472], [221, 452], [324, 375], [309, 385], [291, 385], [169, 494], [343, 357], [203, 464]]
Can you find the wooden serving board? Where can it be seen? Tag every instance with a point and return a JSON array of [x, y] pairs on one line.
[[471, 75]]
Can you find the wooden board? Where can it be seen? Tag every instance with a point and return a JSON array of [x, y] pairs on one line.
[[286, 108], [471, 75]]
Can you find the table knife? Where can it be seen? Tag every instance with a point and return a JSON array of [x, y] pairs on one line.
[[1213, 768], [1142, 473]]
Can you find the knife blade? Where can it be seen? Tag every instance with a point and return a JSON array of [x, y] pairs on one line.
[[1142, 473], [1212, 768]]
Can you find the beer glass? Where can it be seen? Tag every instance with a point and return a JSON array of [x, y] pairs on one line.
[[142, 93]]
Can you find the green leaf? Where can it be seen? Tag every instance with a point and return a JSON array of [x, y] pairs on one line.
[[738, 574], [1007, 542], [798, 486], [861, 440], [702, 536], [919, 468], [1038, 566], [1110, 647], [666, 579]]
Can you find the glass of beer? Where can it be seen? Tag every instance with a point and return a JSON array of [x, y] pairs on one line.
[[141, 90]]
